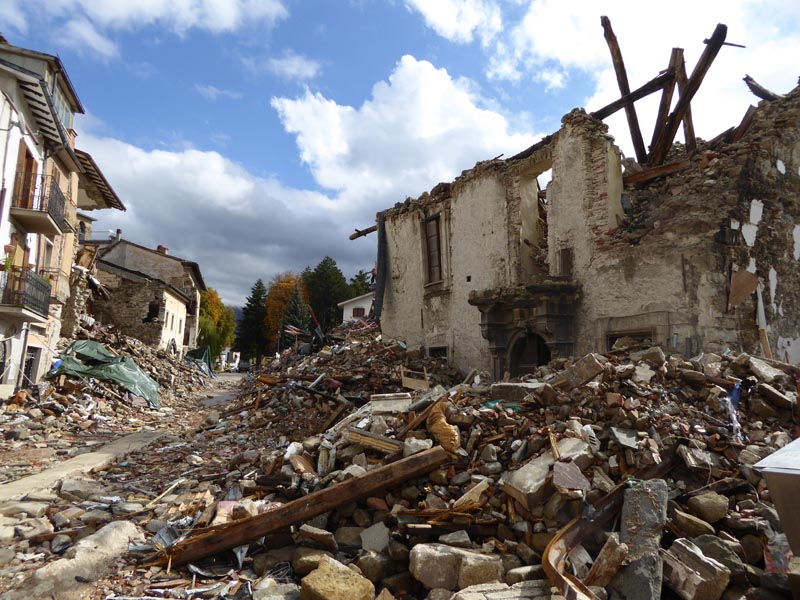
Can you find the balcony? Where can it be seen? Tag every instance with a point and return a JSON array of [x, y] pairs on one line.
[[59, 284], [26, 296], [38, 205]]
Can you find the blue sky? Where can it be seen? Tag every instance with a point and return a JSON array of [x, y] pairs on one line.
[[252, 136]]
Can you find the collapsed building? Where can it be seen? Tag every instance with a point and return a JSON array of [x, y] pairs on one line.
[[691, 246]]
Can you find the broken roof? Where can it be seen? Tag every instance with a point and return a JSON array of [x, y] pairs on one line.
[[94, 191]]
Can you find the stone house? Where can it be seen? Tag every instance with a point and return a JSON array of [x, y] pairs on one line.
[[179, 301], [43, 179], [143, 307], [698, 253]]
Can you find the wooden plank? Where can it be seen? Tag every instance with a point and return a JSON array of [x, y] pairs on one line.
[[661, 147], [688, 125], [334, 416], [409, 380], [648, 88], [658, 171], [759, 90], [416, 421], [675, 59], [373, 440], [230, 535], [624, 89], [362, 232], [745, 124]]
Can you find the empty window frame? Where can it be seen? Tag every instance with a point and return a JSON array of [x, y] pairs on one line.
[[640, 337], [433, 249], [438, 352], [359, 312]]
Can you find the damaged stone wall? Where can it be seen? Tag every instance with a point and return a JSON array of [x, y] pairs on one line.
[[136, 308], [478, 252], [76, 304], [669, 268], [659, 270]]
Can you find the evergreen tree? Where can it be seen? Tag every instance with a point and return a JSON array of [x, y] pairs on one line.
[[296, 313], [251, 337], [326, 287], [360, 283]]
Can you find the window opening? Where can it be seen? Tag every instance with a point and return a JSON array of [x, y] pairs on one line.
[[433, 245]]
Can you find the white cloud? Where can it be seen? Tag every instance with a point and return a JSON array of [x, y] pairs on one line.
[[81, 35], [290, 66], [461, 20], [88, 22], [12, 16], [178, 16], [210, 92], [419, 128]]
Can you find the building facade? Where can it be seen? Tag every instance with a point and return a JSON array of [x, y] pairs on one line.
[[183, 282], [41, 180], [699, 254]]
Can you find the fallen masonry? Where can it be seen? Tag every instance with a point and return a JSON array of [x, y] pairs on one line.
[[313, 483]]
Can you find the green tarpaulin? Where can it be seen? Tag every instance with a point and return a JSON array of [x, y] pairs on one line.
[[200, 358], [85, 358]]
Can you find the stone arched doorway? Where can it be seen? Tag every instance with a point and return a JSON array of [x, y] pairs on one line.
[[527, 352]]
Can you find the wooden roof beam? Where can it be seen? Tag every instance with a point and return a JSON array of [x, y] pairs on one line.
[[648, 88], [661, 147], [624, 88], [666, 96], [688, 126]]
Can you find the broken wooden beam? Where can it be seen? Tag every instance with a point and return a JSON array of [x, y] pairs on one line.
[[624, 89], [658, 171], [759, 90], [362, 232], [373, 441], [675, 59], [688, 125], [661, 147], [745, 124], [216, 539], [648, 88]]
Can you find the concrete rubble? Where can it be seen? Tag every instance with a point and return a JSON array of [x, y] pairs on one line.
[[478, 526]]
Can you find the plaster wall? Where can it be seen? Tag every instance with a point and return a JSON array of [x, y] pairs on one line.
[[364, 303], [174, 321], [476, 254]]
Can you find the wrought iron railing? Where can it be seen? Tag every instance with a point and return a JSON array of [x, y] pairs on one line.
[[40, 193], [24, 288]]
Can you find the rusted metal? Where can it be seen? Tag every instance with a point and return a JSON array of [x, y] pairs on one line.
[[554, 559]]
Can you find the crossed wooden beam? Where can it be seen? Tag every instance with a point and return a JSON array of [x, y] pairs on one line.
[[667, 123]]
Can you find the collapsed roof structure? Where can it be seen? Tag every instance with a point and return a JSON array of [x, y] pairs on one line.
[[691, 246]]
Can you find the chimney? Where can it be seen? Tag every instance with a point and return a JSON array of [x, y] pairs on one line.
[[162, 249], [117, 235]]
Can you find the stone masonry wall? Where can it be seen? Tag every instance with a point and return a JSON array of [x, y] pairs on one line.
[[128, 308]]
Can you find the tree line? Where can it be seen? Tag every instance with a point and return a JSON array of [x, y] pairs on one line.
[[306, 301]]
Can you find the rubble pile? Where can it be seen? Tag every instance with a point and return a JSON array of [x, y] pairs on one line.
[[324, 481], [67, 415]]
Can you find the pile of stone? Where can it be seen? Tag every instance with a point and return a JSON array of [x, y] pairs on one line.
[[65, 416], [521, 460]]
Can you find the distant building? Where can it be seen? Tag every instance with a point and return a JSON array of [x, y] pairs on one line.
[[171, 303], [357, 308]]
